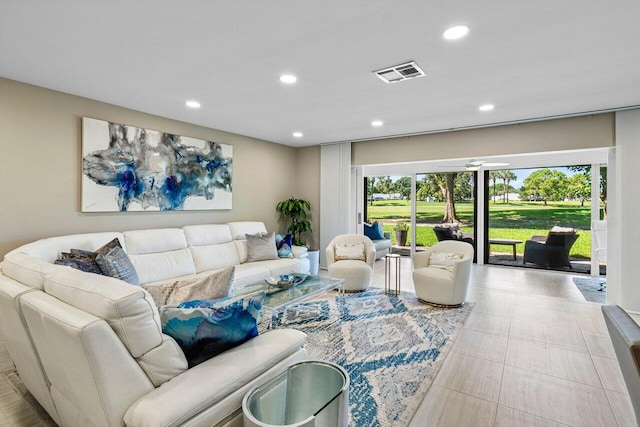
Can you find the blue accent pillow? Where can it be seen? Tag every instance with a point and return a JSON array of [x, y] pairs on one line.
[[205, 328], [116, 263], [373, 231], [283, 245]]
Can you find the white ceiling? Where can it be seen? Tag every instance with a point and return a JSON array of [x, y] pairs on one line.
[[531, 59]]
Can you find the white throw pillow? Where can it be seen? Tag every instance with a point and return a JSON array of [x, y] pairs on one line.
[[444, 260], [354, 252]]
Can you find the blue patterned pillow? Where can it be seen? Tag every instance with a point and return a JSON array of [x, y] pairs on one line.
[[116, 263], [373, 231], [86, 260], [283, 245], [205, 328]]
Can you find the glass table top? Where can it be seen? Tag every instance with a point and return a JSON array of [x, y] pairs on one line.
[[277, 299]]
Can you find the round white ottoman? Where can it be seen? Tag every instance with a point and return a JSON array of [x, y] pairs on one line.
[[356, 274]]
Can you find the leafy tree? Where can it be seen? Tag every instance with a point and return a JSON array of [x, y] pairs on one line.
[[370, 182], [579, 187], [427, 187], [463, 186], [384, 184], [403, 186], [545, 184], [449, 187], [586, 169]]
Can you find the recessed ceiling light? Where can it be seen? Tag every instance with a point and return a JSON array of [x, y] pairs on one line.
[[288, 78], [486, 107], [297, 134], [192, 104], [456, 32], [377, 123]]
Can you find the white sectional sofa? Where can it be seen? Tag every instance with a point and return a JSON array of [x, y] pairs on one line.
[[91, 350]]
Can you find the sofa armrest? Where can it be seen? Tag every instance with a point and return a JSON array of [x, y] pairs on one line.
[[299, 251], [538, 238]]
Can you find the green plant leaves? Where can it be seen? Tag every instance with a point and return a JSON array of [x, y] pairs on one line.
[[295, 210]]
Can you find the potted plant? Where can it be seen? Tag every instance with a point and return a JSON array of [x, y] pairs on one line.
[[295, 211], [401, 229]]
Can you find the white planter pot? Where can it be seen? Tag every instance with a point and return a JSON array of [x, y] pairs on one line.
[[314, 259]]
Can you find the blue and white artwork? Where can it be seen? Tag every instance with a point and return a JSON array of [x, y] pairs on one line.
[[126, 168]]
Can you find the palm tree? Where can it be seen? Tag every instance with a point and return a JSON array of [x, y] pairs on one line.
[[508, 176], [493, 176]]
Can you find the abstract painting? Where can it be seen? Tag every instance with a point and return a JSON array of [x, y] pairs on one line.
[[126, 168]]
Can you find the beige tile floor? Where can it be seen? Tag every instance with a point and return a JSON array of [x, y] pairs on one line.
[[533, 352]]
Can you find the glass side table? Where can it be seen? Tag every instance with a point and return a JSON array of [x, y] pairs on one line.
[[388, 260], [310, 393]]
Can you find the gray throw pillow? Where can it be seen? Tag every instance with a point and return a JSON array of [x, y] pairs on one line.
[[261, 247], [86, 260], [212, 286], [116, 263]]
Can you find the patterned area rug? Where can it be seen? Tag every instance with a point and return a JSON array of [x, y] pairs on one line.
[[589, 287], [391, 346]]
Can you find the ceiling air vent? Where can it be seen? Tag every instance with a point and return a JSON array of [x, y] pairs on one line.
[[398, 73]]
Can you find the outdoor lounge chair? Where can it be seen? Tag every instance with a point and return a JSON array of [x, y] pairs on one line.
[[551, 250], [451, 232]]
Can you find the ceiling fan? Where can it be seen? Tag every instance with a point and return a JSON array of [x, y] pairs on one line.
[[474, 165]]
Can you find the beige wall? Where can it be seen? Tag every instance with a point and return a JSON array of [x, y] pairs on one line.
[[549, 135], [40, 173], [308, 180]]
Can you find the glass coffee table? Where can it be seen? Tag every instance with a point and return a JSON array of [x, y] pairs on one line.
[[277, 300]]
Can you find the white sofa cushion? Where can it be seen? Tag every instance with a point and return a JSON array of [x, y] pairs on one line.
[[187, 395], [243, 253], [210, 234], [249, 273], [156, 240], [163, 362], [241, 228], [163, 265], [285, 265], [128, 309], [28, 269], [49, 249], [159, 254], [211, 257]]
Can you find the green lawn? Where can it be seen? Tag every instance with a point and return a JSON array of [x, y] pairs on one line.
[[515, 220]]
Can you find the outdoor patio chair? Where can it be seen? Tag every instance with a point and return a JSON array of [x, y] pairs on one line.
[[451, 232], [551, 250]]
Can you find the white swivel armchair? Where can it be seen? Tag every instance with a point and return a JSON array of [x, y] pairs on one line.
[[351, 257], [441, 273]]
